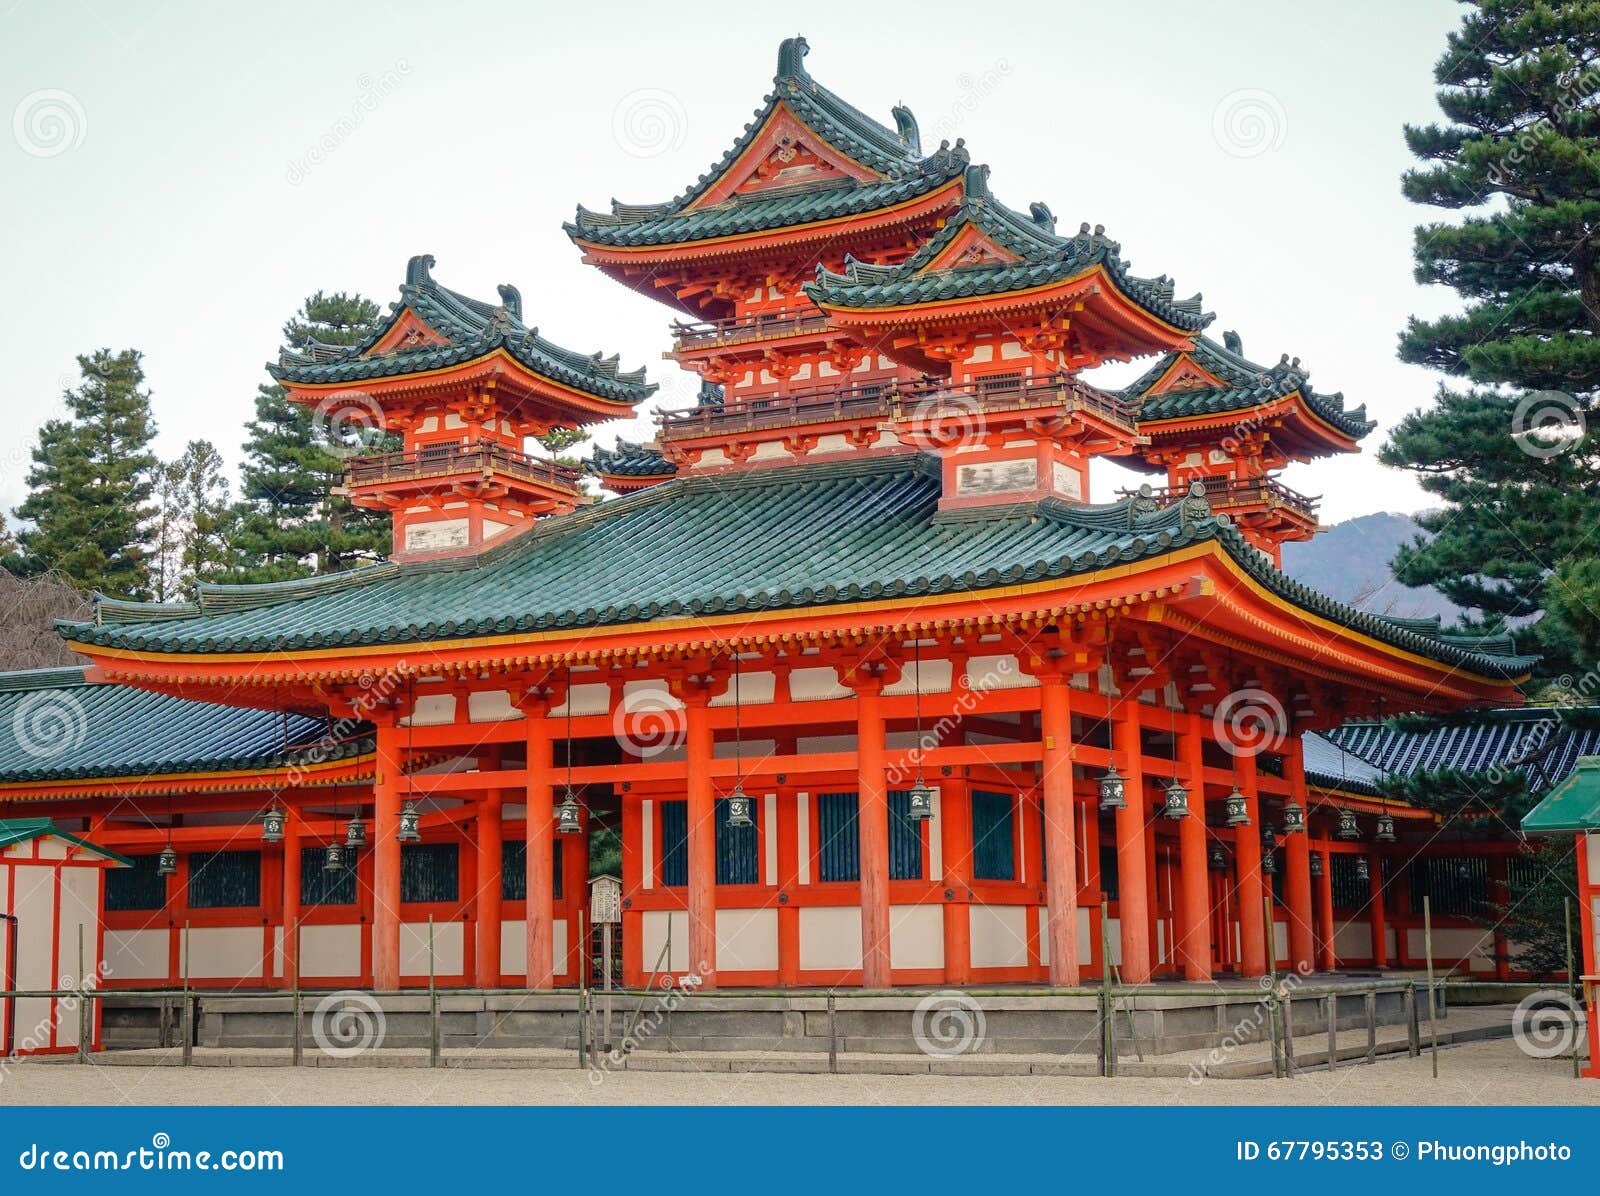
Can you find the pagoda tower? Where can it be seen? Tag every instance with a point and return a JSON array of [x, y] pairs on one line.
[[1216, 420], [464, 383]]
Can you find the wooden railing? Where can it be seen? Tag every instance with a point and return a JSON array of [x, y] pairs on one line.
[[485, 456], [1231, 494], [923, 400], [754, 327]]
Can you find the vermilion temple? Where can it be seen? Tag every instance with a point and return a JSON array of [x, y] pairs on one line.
[[873, 692]]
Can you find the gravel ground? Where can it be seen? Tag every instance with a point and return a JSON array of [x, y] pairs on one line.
[[1481, 1073]]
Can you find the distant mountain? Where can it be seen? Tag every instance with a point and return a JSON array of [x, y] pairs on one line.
[[1350, 561]]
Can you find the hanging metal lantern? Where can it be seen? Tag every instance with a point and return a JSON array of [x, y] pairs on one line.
[[410, 823], [568, 820], [1269, 864], [1385, 828], [1177, 801], [1238, 807], [1463, 870], [1269, 837], [333, 857], [167, 864], [355, 834], [1316, 863], [1111, 789], [272, 825], [1294, 818], [739, 809], [919, 799], [1363, 870], [1349, 828], [1217, 860]]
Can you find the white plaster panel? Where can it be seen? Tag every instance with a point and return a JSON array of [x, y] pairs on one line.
[[934, 675], [1352, 940], [448, 949], [80, 910], [137, 954], [653, 939], [747, 940], [802, 803], [330, 951], [490, 706], [594, 698], [34, 907], [769, 833], [514, 946], [755, 689], [809, 685], [830, 937], [999, 936], [432, 710], [647, 844], [935, 837], [916, 936], [437, 534], [997, 672], [223, 952]]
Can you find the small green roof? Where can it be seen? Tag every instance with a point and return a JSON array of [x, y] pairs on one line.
[[55, 727], [780, 538], [25, 830], [1246, 385], [1573, 805], [472, 328], [629, 459], [1042, 258]]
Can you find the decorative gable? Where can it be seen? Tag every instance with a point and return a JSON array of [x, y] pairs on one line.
[[408, 331], [971, 247], [1185, 374], [785, 153]]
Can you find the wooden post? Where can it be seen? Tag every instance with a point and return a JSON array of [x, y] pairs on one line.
[[386, 856], [1060, 822], [701, 812], [1433, 1011], [1333, 1030], [873, 825], [84, 1032], [1194, 878], [1108, 1025], [1379, 917], [433, 1003], [1329, 956], [291, 894], [1372, 1024], [1288, 1031], [1413, 1033], [605, 946], [1133, 865], [1297, 865], [297, 1048], [187, 1021], [1250, 879], [489, 843], [833, 1037]]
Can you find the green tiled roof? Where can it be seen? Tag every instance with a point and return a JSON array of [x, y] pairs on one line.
[[894, 154], [55, 727], [472, 329], [786, 537], [631, 460], [1248, 385], [25, 830], [1574, 805], [1043, 256]]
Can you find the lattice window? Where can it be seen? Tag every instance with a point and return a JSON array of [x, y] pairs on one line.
[[224, 879]]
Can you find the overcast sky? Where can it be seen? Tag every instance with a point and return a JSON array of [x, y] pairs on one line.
[[177, 177]]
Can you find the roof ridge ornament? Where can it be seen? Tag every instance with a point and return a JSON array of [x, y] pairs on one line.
[[1195, 505], [1142, 504], [511, 298], [791, 58], [417, 270], [905, 124]]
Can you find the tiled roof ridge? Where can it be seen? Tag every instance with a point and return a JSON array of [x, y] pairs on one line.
[[629, 458], [56, 677]]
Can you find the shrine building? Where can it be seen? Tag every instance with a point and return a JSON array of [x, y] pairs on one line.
[[869, 689]]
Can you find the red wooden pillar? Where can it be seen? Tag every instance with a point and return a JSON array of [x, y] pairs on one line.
[[1588, 896], [540, 856], [1297, 861], [575, 896], [1330, 956], [490, 810], [955, 846], [291, 895], [1060, 814], [386, 857], [873, 815], [1252, 882], [1194, 898], [788, 882], [1133, 870], [702, 836], [1376, 913]]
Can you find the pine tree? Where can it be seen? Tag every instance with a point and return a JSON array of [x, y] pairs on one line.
[[289, 521], [91, 482], [192, 524], [1506, 447]]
